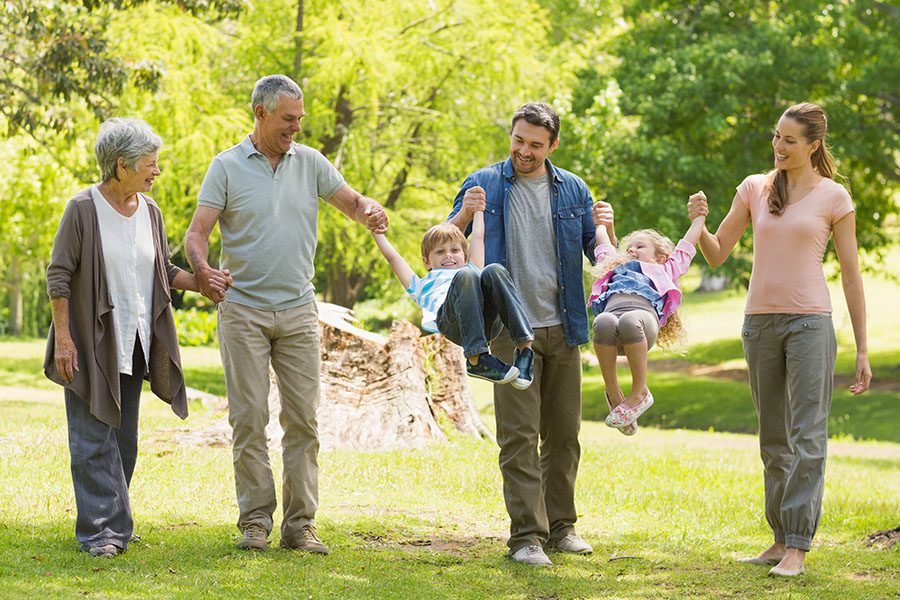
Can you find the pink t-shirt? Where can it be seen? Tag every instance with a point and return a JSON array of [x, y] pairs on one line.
[[787, 275]]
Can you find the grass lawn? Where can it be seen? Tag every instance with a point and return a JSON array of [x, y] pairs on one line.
[[667, 512]]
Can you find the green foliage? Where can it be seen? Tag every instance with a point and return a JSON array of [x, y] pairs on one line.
[[700, 86], [195, 327]]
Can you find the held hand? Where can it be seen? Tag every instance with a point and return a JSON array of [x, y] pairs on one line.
[[213, 283], [376, 219], [697, 206], [863, 375], [602, 213], [474, 200], [66, 357]]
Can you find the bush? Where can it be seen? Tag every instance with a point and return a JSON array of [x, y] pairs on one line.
[[196, 327]]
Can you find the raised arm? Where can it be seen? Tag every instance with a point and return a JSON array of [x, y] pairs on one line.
[[468, 202], [400, 267], [476, 240], [716, 247], [360, 208], [696, 229], [604, 220], [844, 233]]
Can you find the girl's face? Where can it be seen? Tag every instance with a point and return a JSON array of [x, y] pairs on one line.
[[641, 248], [792, 149]]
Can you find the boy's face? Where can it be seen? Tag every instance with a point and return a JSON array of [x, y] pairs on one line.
[[447, 255], [642, 249]]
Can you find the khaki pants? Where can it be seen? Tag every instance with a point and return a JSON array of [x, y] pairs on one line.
[[537, 430], [249, 339], [791, 362]]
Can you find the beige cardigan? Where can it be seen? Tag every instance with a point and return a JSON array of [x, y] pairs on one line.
[[77, 272]]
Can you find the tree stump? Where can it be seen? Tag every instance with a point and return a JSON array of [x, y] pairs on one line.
[[378, 393]]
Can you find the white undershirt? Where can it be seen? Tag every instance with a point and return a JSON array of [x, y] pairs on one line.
[[129, 255]]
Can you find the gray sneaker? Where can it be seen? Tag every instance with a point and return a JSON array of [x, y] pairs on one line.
[[306, 538], [531, 555], [572, 543], [255, 538]]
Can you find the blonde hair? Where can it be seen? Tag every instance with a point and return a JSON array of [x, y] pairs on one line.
[[672, 333], [441, 234], [814, 122]]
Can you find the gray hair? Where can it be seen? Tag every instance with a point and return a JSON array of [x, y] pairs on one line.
[[129, 139], [268, 91]]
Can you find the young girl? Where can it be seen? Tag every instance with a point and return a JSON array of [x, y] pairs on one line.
[[635, 302]]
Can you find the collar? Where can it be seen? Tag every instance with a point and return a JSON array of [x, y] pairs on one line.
[[249, 149]]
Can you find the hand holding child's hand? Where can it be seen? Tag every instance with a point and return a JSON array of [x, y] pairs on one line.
[[602, 214], [697, 206], [474, 200]]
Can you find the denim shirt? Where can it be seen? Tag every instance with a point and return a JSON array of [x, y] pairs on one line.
[[570, 207], [629, 279]]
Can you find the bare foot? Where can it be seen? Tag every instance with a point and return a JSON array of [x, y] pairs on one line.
[[768, 557], [791, 565]]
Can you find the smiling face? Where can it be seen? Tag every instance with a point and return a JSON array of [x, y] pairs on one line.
[[641, 247], [792, 149], [529, 147], [275, 130], [139, 178], [446, 255]]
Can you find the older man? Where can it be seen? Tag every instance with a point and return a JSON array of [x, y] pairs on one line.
[[538, 222], [263, 192]]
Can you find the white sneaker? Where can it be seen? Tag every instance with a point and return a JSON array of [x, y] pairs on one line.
[[573, 544], [531, 555]]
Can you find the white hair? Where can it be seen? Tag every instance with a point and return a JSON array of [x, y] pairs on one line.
[[128, 139], [268, 91]]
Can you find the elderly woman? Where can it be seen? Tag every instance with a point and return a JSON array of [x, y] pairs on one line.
[[788, 336], [109, 279]]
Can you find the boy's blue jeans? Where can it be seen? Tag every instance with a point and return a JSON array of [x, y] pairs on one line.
[[477, 306]]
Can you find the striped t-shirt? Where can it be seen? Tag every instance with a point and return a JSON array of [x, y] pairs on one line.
[[430, 292]]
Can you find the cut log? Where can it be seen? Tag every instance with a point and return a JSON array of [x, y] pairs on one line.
[[377, 393]]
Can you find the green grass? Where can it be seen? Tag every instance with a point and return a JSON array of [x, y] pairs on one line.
[[667, 512]]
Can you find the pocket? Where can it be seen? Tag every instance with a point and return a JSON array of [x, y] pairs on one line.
[[493, 221], [570, 219], [749, 334], [807, 323]]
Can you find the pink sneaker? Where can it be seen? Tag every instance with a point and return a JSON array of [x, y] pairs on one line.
[[623, 415], [628, 429]]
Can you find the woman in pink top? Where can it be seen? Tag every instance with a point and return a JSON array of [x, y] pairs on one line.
[[788, 336]]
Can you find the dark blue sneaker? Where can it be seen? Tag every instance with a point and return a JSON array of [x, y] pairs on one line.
[[491, 368], [524, 362]]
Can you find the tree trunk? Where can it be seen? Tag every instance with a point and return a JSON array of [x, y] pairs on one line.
[[711, 282], [377, 393]]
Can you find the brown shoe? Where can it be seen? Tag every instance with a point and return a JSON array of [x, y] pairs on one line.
[[104, 551], [255, 538], [306, 539]]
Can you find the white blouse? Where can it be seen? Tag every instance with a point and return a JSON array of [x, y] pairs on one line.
[[129, 255]]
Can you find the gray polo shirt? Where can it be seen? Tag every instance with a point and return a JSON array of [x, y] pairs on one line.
[[268, 221]]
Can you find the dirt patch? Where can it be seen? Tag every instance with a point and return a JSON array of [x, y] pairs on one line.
[[885, 539], [454, 546]]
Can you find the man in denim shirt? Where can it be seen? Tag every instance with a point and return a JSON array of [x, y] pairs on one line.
[[538, 224]]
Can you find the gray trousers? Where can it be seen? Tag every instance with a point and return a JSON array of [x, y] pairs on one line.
[[102, 462], [537, 430], [248, 339], [791, 359]]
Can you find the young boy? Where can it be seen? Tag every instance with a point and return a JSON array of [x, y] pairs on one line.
[[466, 301]]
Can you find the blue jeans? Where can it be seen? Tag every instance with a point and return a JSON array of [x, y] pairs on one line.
[[102, 461], [477, 306]]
